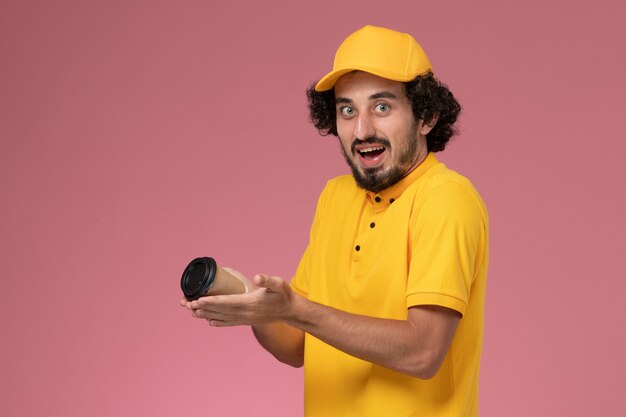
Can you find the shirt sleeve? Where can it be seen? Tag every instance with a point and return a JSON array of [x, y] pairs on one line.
[[300, 281], [447, 241]]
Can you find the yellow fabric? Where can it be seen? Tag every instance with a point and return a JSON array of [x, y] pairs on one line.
[[424, 243], [384, 52]]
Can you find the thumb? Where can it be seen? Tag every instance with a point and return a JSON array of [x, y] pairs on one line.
[[272, 284]]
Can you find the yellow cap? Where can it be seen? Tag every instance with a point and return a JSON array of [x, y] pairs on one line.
[[384, 52]]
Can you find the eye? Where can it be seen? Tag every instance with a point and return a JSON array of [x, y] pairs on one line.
[[346, 111], [382, 107]]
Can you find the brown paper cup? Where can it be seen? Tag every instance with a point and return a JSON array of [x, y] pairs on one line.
[[203, 277]]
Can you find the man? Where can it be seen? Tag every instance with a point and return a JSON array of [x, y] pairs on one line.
[[386, 308]]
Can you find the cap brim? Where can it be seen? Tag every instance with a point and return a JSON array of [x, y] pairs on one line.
[[329, 80]]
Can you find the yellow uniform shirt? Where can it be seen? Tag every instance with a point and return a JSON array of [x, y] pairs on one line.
[[422, 241]]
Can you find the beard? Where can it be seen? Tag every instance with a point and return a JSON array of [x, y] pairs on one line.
[[377, 179]]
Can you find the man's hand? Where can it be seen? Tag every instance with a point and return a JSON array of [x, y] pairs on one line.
[[269, 302], [415, 346]]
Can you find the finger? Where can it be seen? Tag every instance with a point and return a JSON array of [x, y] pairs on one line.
[[211, 315], [222, 301], [219, 320], [185, 303], [224, 323], [273, 284]]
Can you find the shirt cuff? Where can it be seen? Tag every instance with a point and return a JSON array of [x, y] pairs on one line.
[[432, 298]]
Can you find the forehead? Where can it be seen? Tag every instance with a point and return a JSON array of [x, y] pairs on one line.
[[358, 84]]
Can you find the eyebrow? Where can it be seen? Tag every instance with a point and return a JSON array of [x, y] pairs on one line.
[[375, 96], [383, 94]]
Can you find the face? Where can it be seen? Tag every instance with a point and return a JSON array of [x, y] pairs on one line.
[[379, 136]]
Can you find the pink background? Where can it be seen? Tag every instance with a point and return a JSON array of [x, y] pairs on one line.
[[135, 135]]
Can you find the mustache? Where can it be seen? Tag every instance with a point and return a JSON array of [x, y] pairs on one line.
[[370, 140]]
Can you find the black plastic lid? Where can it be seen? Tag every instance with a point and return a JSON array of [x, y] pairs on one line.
[[198, 277]]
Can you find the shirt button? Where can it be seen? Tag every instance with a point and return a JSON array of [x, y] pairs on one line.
[[372, 225], [377, 199], [357, 248]]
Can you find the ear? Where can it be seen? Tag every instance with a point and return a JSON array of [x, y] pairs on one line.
[[426, 127]]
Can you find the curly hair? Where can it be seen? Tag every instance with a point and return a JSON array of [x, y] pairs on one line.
[[429, 99]]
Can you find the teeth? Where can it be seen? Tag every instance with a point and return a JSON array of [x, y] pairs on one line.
[[372, 149]]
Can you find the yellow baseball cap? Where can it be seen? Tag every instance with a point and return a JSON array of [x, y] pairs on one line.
[[384, 52]]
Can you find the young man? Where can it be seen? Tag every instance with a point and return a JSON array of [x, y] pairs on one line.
[[386, 308]]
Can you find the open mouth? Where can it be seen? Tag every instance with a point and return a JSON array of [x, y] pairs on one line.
[[371, 152], [370, 155]]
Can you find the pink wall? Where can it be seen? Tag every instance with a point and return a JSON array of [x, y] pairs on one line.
[[137, 135]]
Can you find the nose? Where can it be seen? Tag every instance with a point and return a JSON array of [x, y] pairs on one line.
[[364, 127]]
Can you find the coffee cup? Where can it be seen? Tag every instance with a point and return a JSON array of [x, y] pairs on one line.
[[203, 277]]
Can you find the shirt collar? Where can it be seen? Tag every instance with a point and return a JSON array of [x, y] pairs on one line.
[[384, 198]]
